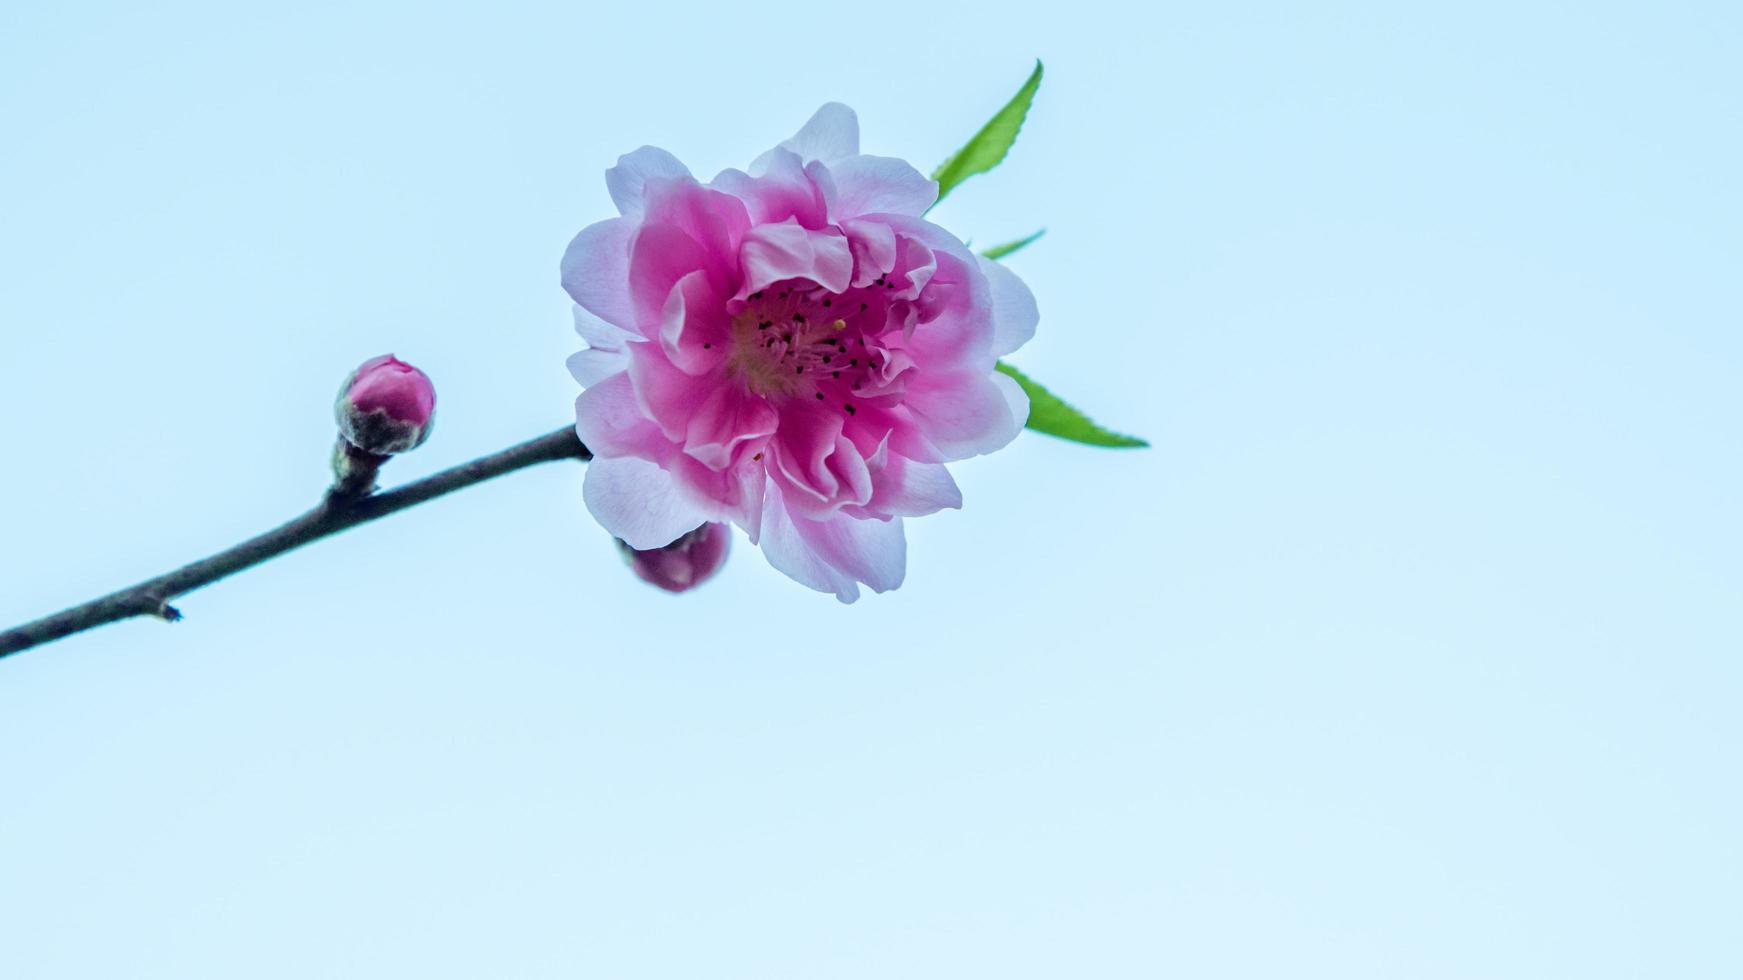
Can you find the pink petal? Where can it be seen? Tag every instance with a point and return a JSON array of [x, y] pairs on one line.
[[801, 449], [966, 413], [935, 237], [628, 180], [874, 249], [598, 333], [780, 192], [636, 500], [885, 421], [604, 355], [610, 421], [830, 134], [734, 494], [595, 364], [694, 326], [660, 256], [788, 553], [915, 268], [729, 418], [873, 552], [851, 473], [1016, 399], [907, 436], [666, 394], [753, 486], [771, 253], [595, 271], [909, 489], [956, 323], [1014, 312], [818, 483], [715, 220], [879, 185]]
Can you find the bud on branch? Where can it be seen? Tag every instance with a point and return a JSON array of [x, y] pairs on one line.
[[385, 407], [683, 564]]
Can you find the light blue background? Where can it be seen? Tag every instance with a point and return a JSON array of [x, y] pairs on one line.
[[1410, 650]]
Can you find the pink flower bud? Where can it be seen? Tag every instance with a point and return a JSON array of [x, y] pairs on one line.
[[685, 563], [386, 406]]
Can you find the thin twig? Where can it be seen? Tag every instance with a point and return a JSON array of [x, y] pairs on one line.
[[335, 513]]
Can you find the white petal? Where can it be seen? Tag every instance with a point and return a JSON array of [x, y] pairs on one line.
[[638, 502], [878, 185], [831, 134], [595, 270], [627, 180], [910, 489], [599, 333], [967, 414], [872, 551], [1016, 399], [595, 364], [790, 555], [1014, 312]]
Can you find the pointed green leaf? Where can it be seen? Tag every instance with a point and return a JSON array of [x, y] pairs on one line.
[[1047, 413], [994, 140], [1000, 251]]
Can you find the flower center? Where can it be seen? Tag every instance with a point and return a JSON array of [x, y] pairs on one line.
[[796, 340]]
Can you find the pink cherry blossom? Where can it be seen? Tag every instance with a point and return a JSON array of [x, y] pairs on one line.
[[794, 349]]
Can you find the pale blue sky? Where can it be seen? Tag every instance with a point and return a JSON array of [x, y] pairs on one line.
[[1410, 650]]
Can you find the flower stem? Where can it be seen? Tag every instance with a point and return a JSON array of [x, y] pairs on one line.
[[336, 512]]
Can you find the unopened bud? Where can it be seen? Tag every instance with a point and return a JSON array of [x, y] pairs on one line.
[[683, 564], [386, 406]]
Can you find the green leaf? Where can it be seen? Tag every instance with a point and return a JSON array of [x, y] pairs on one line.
[[1047, 413], [1000, 251], [994, 140]]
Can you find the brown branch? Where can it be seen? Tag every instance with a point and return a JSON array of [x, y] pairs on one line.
[[335, 513]]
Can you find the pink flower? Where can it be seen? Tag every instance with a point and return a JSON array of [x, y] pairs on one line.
[[686, 562], [794, 350], [385, 406]]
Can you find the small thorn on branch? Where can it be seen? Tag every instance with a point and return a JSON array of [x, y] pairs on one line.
[[150, 605]]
